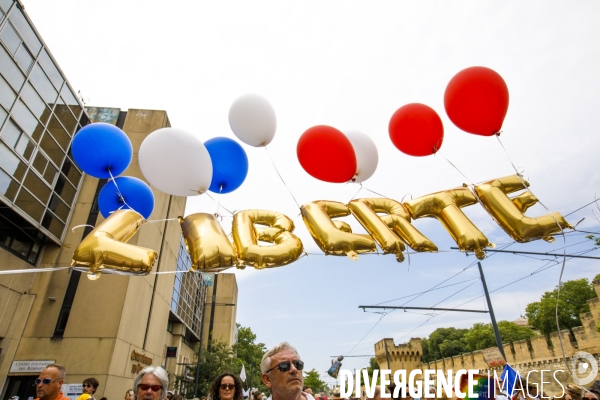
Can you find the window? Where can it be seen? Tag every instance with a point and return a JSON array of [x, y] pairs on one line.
[[42, 85], [8, 186], [26, 202], [18, 19], [14, 236], [11, 163], [37, 187], [35, 103], [52, 149], [7, 96], [50, 69], [24, 117], [11, 73]]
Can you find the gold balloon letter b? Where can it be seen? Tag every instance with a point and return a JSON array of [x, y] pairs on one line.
[[508, 213], [106, 247], [278, 229]]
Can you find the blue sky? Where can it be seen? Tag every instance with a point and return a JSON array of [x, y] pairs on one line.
[[351, 64]]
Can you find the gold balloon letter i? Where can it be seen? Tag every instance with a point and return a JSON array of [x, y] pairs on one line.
[[445, 207], [207, 243], [277, 229], [508, 213], [105, 247], [387, 230], [334, 238]]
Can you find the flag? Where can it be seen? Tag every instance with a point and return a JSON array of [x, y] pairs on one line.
[[509, 377], [243, 373]]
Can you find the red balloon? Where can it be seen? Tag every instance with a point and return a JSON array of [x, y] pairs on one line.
[[476, 101], [326, 154], [416, 130]]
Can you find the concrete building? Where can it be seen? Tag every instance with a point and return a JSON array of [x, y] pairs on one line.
[[109, 328]]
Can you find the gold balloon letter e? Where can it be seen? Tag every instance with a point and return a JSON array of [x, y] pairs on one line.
[[278, 229], [106, 247], [335, 238], [445, 207], [207, 243], [508, 213], [386, 229]]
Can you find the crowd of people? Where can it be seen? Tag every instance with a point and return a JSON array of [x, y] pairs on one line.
[[281, 369]]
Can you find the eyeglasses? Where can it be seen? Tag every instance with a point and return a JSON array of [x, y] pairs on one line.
[[285, 366], [227, 386], [45, 381], [144, 387]]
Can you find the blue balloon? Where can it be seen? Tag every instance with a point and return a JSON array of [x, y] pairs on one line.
[[230, 164], [99, 148], [137, 196]]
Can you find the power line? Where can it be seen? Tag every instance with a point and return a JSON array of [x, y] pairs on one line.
[[572, 212]]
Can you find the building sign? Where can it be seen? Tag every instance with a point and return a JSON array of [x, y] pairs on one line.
[[29, 366], [171, 352], [140, 358], [72, 390], [493, 357]]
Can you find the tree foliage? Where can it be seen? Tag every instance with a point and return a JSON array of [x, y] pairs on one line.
[[312, 379], [481, 336], [572, 302], [213, 362], [444, 342], [249, 353]]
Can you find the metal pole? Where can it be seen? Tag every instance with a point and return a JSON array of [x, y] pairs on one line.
[[423, 308], [387, 357], [491, 310]]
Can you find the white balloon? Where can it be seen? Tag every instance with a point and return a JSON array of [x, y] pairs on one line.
[[252, 119], [176, 162], [367, 156]]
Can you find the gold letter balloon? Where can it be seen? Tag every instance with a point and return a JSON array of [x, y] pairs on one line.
[[334, 239], [446, 207], [277, 229], [207, 243], [105, 247], [508, 213]]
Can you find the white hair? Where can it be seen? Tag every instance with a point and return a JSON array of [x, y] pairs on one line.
[[159, 373], [266, 360]]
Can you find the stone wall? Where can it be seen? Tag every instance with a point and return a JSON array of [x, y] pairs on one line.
[[526, 356]]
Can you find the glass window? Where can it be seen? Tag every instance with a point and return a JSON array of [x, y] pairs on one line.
[[39, 162], [26, 202], [11, 163], [11, 133], [21, 245], [33, 255], [64, 189], [71, 101], [10, 71], [10, 38], [37, 186], [25, 147], [3, 115], [66, 117], [51, 70], [5, 4], [35, 103], [42, 84], [8, 186], [53, 224], [50, 174], [59, 133], [27, 33], [52, 149], [24, 59], [71, 171], [24, 117], [59, 207], [7, 96]]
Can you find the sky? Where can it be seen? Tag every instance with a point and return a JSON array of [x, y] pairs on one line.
[[351, 64]]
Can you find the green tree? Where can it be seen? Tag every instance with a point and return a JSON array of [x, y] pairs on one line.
[[373, 365], [213, 362], [481, 336], [313, 380], [249, 353], [573, 301], [444, 342]]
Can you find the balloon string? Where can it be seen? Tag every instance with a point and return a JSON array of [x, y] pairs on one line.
[[153, 221], [210, 197], [280, 177], [121, 198], [456, 168], [219, 202], [355, 194]]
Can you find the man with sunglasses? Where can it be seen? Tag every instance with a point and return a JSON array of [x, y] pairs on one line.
[[151, 383], [89, 388], [48, 384], [282, 373]]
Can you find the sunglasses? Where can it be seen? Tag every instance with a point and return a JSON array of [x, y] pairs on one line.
[[286, 365], [45, 381], [227, 386], [87, 385], [144, 387]]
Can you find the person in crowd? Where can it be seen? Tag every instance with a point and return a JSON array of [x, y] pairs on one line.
[[258, 395], [169, 394], [49, 382], [308, 390], [227, 386], [89, 388], [281, 369], [177, 397], [129, 394], [151, 384], [573, 391]]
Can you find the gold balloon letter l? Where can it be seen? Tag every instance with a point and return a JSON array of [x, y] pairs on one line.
[[445, 207], [335, 238], [106, 247], [508, 213], [278, 230]]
